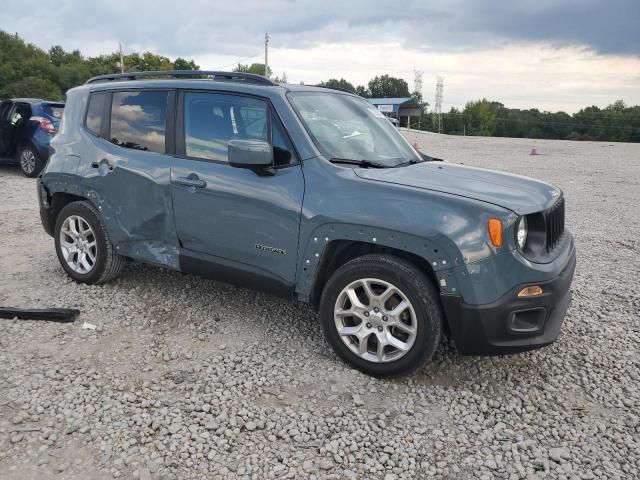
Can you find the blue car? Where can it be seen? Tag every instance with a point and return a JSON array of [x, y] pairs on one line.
[[310, 194], [27, 125]]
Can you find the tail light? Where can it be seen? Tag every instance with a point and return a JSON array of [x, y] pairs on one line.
[[44, 124]]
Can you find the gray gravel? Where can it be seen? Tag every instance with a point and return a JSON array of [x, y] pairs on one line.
[[187, 378]]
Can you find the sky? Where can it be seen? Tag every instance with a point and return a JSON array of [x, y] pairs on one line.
[[546, 54]]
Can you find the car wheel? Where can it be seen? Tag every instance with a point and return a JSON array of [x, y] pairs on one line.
[[382, 315], [83, 245], [30, 161]]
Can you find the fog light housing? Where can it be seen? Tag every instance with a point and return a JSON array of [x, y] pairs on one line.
[[531, 291]]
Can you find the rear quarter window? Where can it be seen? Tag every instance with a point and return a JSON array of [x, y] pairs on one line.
[[95, 112]]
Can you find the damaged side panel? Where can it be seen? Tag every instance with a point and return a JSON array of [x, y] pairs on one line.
[[129, 187]]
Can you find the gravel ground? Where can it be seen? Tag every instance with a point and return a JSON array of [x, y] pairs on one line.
[[188, 378]]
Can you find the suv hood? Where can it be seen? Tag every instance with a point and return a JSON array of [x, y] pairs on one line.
[[520, 194]]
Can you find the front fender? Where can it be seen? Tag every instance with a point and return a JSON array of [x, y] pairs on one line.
[[442, 257], [445, 230]]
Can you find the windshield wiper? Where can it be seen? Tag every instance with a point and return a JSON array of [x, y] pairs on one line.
[[410, 162], [360, 163]]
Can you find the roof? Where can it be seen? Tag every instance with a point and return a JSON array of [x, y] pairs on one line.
[[35, 100], [26, 100], [391, 101]]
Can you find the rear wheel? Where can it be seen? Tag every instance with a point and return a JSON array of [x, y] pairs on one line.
[[83, 245], [382, 315], [30, 161]]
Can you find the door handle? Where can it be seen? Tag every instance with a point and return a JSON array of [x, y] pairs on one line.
[[190, 181], [105, 161]]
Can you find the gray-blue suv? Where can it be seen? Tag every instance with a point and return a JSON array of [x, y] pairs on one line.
[[310, 194]]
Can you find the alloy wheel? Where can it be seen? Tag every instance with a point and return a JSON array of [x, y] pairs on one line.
[[375, 320], [78, 244], [27, 161]]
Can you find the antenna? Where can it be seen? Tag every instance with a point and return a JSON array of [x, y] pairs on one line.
[[437, 110]]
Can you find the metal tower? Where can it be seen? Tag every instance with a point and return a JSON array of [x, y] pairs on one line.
[[417, 90], [417, 82], [437, 110]]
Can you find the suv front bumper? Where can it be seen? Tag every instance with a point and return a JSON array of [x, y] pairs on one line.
[[511, 324]]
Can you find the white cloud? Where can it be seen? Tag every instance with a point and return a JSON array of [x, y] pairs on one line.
[[525, 53], [518, 75]]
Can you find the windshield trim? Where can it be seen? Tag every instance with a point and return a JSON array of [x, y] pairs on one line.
[[325, 153]]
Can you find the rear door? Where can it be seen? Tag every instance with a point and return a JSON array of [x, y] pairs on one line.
[[126, 164], [5, 107], [11, 118], [233, 223]]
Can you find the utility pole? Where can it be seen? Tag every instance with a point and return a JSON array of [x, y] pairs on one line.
[[121, 58], [266, 54], [438, 104]]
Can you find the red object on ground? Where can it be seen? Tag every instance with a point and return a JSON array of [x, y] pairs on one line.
[[534, 151], [415, 145]]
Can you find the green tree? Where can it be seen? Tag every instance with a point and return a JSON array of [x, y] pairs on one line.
[[33, 87], [385, 86], [362, 91], [182, 64], [481, 116], [255, 68], [341, 84]]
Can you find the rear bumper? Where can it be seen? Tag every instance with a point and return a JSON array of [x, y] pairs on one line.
[[511, 324]]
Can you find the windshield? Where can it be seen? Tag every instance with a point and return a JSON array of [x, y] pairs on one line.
[[345, 127]]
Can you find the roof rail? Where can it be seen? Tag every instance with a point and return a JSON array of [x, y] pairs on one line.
[[219, 76]]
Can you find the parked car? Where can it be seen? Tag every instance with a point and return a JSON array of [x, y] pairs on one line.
[[27, 125], [310, 194]]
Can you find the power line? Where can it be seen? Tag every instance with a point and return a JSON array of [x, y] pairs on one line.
[[238, 61]]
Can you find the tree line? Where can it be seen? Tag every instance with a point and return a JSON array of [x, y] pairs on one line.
[[617, 122], [28, 71]]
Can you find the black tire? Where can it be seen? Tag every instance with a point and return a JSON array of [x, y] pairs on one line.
[[417, 288], [33, 167], [108, 263]]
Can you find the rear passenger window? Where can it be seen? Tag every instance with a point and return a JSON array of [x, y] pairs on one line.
[[95, 111], [138, 120], [211, 120]]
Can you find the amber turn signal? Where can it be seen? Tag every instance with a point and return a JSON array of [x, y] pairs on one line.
[[495, 231], [532, 291]]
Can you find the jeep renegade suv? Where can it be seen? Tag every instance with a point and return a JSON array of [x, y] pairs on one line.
[[310, 194]]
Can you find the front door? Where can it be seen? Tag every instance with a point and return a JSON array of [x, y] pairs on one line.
[[232, 223]]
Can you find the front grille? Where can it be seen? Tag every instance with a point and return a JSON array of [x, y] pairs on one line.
[[554, 224]]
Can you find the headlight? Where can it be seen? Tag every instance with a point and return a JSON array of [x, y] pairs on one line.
[[521, 232]]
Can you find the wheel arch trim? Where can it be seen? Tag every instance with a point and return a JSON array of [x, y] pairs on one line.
[[317, 259]]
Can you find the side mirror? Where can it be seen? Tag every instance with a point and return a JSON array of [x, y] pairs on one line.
[[251, 154]]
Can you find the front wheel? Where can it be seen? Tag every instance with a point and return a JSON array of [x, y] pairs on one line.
[[382, 315], [30, 162]]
